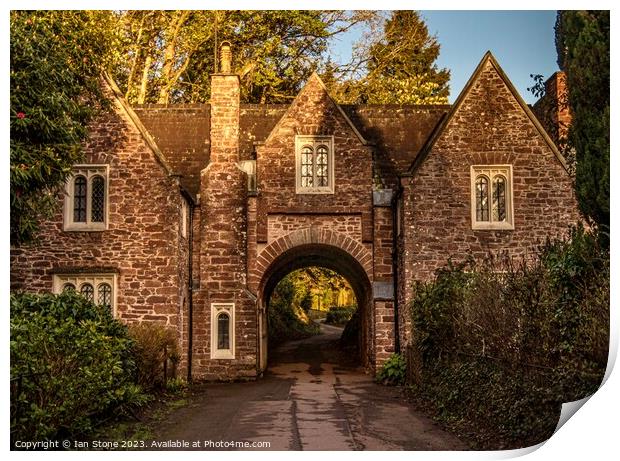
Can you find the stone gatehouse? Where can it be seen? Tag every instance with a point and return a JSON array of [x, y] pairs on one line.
[[188, 215]]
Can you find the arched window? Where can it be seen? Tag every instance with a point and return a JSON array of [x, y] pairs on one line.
[[96, 287], [322, 173], [86, 199], [97, 199], [491, 197], [307, 167], [222, 331], [314, 164], [104, 295], [223, 334], [482, 198], [68, 287], [87, 291], [79, 199], [499, 198]]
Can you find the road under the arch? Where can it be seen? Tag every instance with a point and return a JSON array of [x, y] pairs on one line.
[[311, 398]]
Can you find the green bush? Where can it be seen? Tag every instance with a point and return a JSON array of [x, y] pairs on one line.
[[286, 320], [504, 342], [156, 354], [394, 371], [339, 315], [71, 362]]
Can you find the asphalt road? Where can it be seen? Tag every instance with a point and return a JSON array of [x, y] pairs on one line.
[[310, 399]]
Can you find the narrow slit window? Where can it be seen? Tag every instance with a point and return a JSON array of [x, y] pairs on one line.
[[223, 328], [223, 331], [97, 199], [79, 199]]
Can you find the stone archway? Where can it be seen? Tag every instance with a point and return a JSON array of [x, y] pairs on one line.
[[315, 247]]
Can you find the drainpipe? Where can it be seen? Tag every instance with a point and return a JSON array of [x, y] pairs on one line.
[[395, 255], [190, 289]]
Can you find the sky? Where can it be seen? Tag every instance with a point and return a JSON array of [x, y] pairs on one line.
[[521, 41]]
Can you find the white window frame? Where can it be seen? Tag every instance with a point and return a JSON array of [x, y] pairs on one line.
[[216, 310], [314, 142], [60, 280], [490, 171], [88, 171]]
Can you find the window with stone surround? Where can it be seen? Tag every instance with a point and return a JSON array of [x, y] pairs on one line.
[[222, 330], [314, 164], [86, 199], [491, 197], [98, 288]]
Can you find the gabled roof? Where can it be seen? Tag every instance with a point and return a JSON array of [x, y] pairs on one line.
[[316, 79], [118, 96], [441, 127]]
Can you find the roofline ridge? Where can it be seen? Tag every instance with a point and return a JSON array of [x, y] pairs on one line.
[[487, 57]]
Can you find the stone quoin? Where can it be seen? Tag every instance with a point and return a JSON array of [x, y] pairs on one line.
[[188, 215]]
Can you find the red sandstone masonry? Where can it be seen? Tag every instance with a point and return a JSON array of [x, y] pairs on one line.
[[224, 241], [489, 128], [142, 243]]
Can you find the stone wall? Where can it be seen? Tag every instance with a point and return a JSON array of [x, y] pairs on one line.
[[282, 224], [489, 128], [313, 113], [142, 244]]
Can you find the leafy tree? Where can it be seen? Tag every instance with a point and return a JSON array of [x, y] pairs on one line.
[[400, 66], [169, 55], [582, 41], [56, 60]]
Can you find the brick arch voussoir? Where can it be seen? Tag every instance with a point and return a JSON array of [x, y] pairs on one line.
[[306, 237]]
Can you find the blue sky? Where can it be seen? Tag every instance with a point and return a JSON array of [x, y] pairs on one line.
[[522, 42]]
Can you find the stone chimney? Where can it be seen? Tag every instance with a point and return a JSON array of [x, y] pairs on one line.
[[552, 109], [223, 199]]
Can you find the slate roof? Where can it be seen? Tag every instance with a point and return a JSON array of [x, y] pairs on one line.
[[181, 132]]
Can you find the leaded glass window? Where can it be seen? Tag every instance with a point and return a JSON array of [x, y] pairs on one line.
[[482, 202], [79, 199], [499, 198], [86, 199], [307, 166], [104, 295], [97, 199], [322, 173], [97, 288], [223, 333], [68, 287], [87, 291], [315, 164], [491, 197]]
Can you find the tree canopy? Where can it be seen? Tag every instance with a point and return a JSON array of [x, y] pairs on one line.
[[55, 67], [168, 56], [398, 66], [582, 41], [57, 58]]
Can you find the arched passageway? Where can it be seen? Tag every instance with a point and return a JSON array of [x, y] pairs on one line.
[[322, 255]]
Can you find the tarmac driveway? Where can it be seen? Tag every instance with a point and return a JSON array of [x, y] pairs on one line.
[[310, 399]]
